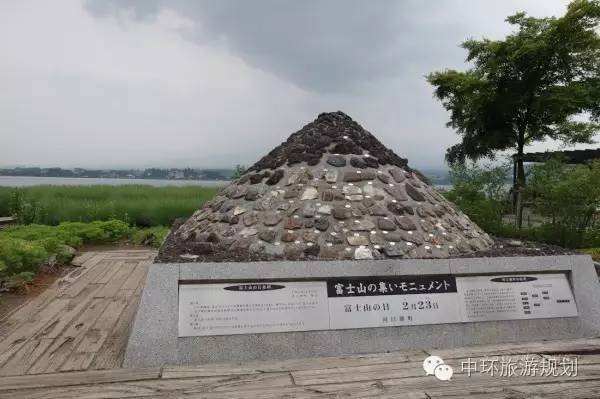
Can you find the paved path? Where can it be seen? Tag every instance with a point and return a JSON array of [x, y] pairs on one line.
[[69, 342], [81, 322]]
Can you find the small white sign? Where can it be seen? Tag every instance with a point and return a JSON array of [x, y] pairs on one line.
[[513, 297], [246, 308]]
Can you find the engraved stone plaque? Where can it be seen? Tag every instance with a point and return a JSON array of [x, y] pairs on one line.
[[512, 297], [243, 308], [346, 303]]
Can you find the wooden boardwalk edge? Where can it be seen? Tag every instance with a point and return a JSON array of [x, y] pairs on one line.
[[319, 372], [77, 378], [69, 342]]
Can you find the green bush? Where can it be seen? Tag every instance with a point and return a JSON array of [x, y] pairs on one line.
[[24, 248], [20, 258]]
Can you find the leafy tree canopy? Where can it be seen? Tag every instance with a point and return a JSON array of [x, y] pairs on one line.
[[542, 81]]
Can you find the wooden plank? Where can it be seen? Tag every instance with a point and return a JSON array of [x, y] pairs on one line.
[[137, 277], [371, 381], [80, 259], [116, 281], [581, 389], [554, 346], [94, 338], [112, 352], [25, 357], [464, 383], [162, 388], [293, 364], [442, 389], [16, 340], [131, 258], [77, 378], [339, 375], [571, 390], [90, 270], [131, 251], [73, 309], [78, 361], [57, 354], [29, 308], [111, 269]]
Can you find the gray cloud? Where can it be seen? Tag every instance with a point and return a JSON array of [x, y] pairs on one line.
[[334, 45], [214, 83]]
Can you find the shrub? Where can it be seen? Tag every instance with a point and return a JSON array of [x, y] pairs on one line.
[[569, 195], [153, 236], [24, 248], [479, 191], [594, 253], [24, 210], [21, 258]]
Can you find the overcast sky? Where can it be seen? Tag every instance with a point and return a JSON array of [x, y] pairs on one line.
[[109, 83]]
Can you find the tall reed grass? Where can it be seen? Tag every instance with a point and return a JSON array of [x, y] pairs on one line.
[[138, 205]]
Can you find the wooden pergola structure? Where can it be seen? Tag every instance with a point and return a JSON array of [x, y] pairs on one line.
[[570, 157]]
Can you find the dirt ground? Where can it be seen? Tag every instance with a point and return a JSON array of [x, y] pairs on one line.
[[12, 299]]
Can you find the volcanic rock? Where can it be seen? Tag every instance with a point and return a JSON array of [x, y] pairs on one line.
[[331, 191]]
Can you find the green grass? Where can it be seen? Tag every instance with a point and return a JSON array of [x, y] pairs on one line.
[[138, 205]]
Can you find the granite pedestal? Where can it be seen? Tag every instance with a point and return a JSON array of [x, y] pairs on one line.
[[154, 337]]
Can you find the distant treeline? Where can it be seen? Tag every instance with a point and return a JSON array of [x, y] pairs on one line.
[[435, 176], [150, 173]]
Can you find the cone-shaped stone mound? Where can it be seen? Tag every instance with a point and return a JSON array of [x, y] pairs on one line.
[[331, 191]]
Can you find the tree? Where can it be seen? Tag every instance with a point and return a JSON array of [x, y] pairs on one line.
[[542, 81], [239, 171]]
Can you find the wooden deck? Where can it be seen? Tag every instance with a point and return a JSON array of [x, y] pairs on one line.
[[81, 322], [389, 375], [69, 342]]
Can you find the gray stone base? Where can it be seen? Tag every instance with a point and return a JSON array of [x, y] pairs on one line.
[[154, 341]]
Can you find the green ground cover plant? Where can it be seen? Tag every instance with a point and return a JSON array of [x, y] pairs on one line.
[[138, 205], [23, 249]]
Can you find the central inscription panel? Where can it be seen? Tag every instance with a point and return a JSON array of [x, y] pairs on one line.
[[343, 303]]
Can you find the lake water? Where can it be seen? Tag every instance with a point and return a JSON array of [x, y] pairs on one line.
[[25, 181]]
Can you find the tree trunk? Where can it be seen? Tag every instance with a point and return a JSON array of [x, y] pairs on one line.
[[514, 186], [520, 180]]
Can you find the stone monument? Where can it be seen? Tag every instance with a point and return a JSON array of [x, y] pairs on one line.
[[331, 245], [331, 191]]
